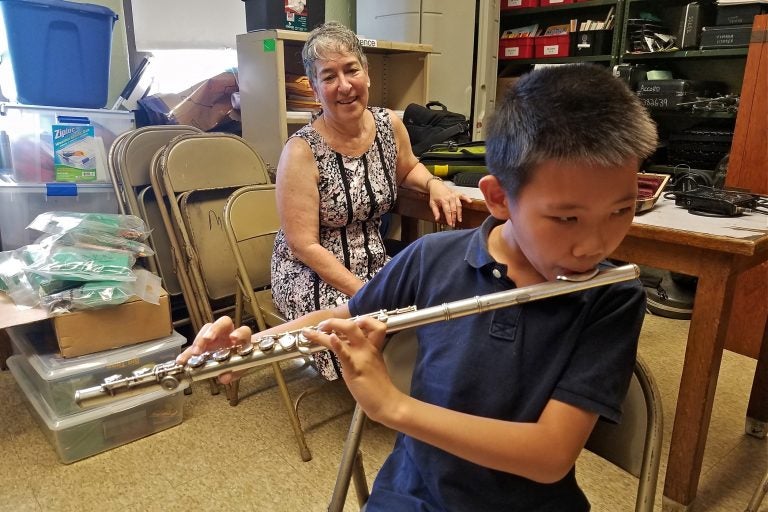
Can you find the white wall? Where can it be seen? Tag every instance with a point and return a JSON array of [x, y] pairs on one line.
[[118, 70]]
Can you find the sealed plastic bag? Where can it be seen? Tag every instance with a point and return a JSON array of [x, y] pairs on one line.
[[98, 294], [58, 223], [70, 263]]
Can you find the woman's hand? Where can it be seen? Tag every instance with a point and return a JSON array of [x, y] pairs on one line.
[[443, 197], [221, 333], [358, 344]]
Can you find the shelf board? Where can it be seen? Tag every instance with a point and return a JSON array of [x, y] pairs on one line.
[[687, 54], [370, 45], [698, 114], [558, 60], [553, 8]]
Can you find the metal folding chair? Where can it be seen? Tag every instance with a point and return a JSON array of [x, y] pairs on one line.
[[251, 223]]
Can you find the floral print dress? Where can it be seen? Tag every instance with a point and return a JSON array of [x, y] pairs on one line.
[[355, 191]]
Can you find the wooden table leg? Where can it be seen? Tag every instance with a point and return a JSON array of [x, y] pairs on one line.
[[703, 354], [5, 348], [757, 410]]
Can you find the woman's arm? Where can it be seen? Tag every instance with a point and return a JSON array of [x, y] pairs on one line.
[[543, 451], [298, 205], [412, 174]]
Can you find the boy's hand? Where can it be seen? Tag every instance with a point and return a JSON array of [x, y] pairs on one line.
[[221, 333], [358, 344]]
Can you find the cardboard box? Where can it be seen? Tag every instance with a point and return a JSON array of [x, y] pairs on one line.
[[558, 45], [508, 5], [516, 48], [299, 15], [88, 331]]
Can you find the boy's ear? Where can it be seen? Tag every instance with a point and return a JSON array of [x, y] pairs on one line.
[[495, 198]]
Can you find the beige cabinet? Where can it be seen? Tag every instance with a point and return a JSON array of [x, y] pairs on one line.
[[399, 76]]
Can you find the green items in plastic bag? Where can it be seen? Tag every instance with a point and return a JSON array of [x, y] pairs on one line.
[[123, 226]]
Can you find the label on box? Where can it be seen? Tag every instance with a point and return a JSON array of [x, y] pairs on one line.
[[296, 15], [551, 49], [75, 156], [514, 3]]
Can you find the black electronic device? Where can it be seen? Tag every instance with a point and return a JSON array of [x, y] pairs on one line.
[[716, 202]]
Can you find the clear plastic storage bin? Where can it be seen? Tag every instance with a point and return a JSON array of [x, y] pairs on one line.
[[25, 133], [55, 379], [93, 431], [20, 204]]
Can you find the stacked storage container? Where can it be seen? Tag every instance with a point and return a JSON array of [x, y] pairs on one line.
[[49, 382], [60, 55], [27, 186]]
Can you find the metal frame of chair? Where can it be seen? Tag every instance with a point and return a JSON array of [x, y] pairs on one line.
[[633, 445], [251, 223], [758, 495]]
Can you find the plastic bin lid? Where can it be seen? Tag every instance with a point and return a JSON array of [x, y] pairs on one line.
[[63, 4], [20, 372], [37, 342]]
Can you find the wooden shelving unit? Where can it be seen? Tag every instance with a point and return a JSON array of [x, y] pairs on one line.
[[399, 76]]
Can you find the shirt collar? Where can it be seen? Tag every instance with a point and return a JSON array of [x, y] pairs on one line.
[[477, 252]]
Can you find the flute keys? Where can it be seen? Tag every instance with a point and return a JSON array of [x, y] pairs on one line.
[[221, 354], [197, 361], [287, 341], [303, 344], [245, 349], [266, 344]]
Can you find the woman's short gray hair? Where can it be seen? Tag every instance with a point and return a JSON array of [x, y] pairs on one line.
[[328, 38]]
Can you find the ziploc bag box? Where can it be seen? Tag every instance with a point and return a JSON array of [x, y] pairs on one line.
[[75, 151]]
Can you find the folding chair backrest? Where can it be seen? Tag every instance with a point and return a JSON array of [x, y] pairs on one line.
[[130, 157], [634, 445], [252, 221], [158, 239], [196, 173], [203, 213], [206, 161]]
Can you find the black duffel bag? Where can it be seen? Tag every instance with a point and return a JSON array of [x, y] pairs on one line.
[[428, 126]]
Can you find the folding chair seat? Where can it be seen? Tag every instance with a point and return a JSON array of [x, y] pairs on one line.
[[634, 445]]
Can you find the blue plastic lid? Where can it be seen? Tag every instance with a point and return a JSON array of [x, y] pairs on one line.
[[63, 4]]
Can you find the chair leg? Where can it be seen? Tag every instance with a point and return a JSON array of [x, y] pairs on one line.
[[292, 414], [233, 391], [757, 497], [359, 480], [349, 461], [214, 384]]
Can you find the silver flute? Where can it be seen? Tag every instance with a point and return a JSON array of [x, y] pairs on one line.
[[267, 349]]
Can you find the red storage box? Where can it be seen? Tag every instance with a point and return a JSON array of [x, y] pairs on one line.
[[552, 46], [516, 48], [547, 3], [507, 5]]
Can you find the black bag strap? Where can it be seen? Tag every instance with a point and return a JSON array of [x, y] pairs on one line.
[[436, 104], [440, 136]]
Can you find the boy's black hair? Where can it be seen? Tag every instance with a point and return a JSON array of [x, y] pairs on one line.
[[576, 112]]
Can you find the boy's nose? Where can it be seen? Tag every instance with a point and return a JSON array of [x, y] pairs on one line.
[[590, 245]]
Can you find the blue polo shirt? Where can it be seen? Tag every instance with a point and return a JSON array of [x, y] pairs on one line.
[[507, 364]]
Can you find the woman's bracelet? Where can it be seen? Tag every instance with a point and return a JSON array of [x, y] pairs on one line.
[[426, 185]]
